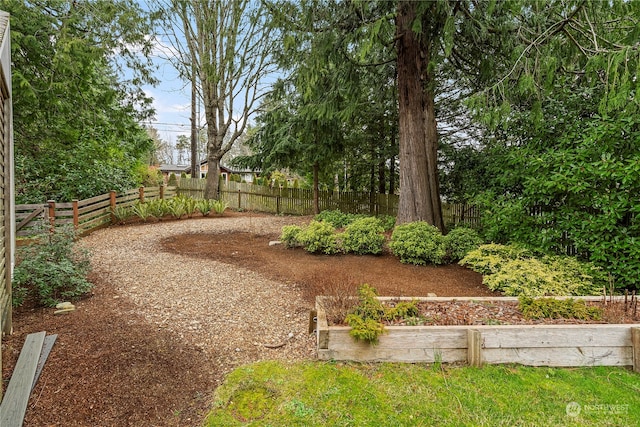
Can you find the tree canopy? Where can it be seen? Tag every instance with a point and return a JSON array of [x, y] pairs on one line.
[[76, 112]]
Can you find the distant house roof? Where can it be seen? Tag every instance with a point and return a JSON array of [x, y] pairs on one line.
[[165, 168], [225, 169]]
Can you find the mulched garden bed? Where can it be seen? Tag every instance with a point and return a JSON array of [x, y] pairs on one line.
[[459, 312]]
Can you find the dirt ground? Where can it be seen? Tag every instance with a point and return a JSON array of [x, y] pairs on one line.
[[106, 370]]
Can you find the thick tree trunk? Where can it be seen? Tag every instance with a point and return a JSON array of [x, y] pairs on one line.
[[431, 133], [316, 193], [211, 189], [214, 155], [419, 193]]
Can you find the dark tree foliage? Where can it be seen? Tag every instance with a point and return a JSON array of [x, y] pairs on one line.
[[76, 116]]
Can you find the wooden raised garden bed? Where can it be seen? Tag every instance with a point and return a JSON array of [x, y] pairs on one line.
[[535, 345]]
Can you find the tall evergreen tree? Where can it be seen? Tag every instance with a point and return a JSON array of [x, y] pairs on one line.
[[75, 114]]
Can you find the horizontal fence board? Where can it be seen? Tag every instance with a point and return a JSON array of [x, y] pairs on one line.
[[63, 205], [94, 206], [95, 199], [29, 207], [96, 222], [127, 198], [89, 215]]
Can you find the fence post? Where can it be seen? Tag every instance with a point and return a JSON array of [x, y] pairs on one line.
[[112, 203], [239, 200], [76, 216], [141, 192], [278, 205], [52, 215], [161, 191]]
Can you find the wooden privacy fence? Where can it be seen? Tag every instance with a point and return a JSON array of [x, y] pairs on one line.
[[84, 215], [296, 201]]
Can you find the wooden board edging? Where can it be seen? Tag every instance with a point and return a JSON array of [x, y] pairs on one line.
[[561, 345]]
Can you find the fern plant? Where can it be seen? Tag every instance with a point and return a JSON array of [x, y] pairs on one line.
[[142, 211], [121, 213], [219, 206]]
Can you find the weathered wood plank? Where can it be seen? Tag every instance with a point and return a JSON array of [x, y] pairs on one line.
[[556, 336], [407, 337], [578, 356], [322, 328], [14, 404], [47, 345], [474, 347], [92, 200], [412, 355], [635, 343]]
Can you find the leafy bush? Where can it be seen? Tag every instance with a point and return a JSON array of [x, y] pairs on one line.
[[387, 221], [289, 236], [364, 329], [336, 218], [402, 310], [319, 237], [460, 241], [365, 319], [53, 270], [363, 236], [173, 180], [418, 243], [551, 308], [515, 271], [489, 259]]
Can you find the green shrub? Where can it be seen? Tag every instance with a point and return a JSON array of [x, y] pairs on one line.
[[336, 218], [52, 270], [515, 271], [418, 243], [364, 329], [402, 310], [289, 236], [488, 259], [460, 241], [387, 221], [173, 180], [363, 236], [551, 308], [365, 319], [319, 237]]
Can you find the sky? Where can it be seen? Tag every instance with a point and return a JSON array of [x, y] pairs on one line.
[[171, 100], [172, 96]]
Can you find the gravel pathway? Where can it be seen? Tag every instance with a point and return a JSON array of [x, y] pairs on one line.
[[234, 315]]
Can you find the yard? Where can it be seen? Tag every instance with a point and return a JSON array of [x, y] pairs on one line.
[[179, 304]]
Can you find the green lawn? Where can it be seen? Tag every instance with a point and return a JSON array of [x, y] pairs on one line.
[[351, 394]]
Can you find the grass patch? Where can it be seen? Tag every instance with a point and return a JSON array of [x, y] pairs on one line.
[[351, 394]]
